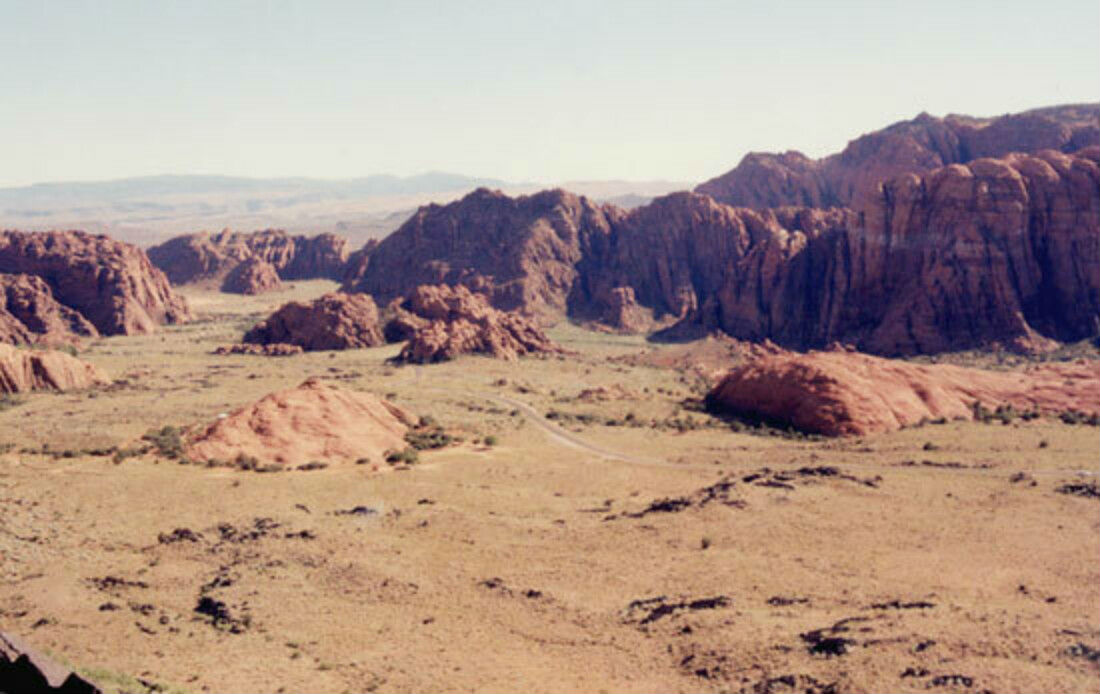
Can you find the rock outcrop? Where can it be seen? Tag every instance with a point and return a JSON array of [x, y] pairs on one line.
[[917, 146], [462, 322], [839, 393], [522, 253], [313, 422], [25, 669], [27, 370], [252, 276], [29, 314], [333, 321], [111, 284], [210, 257]]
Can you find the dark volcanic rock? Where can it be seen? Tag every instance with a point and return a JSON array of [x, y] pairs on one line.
[[252, 276], [333, 321], [204, 256], [29, 314], [24, 669], [112, 284]]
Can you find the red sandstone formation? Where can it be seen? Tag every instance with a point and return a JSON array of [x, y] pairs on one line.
[[521, 252], [461, 322], [313, 422], [846, 393], [112, 284], [29, 314], [333, 321], [252, 276], [26, 370], [917, 146], [203, 256]]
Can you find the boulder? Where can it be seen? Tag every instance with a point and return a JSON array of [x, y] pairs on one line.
[[252, 276], [462, 322], [26, 370], [839, 393], [313, 422], [333, 321]]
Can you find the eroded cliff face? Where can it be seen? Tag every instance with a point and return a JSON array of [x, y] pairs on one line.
[[111, 284], [851, 177], [204, 256], [29, 314], [521, 252], [998, 252]]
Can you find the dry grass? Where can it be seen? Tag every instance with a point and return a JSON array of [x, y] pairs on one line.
[[515, 566]]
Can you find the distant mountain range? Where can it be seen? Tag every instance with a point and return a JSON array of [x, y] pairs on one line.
[[148, 209]]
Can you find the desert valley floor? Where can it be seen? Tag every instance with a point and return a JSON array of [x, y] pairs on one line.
[[626, 542]]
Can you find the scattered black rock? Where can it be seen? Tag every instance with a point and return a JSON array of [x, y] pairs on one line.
[[665, 505], [660, 607], [261, 527], [179, 535], [1023, 477], [792, 684], [220, 617], [301, 535], [780, 601], [1081, 650], [914, 672], [1087, 490], [109, 583], [923, 646], [899, 605], [108, 607], [356, 511], [497, 584], [949, 465], [828, 641], [951, 680]]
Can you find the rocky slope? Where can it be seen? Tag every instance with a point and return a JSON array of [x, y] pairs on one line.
[[998, 252], [252, 276], [521, 252], [111, 284], [333, 321], [29, 314], [841, 393], [203, 256], [313, 422], [26, 370], [462, 322], [916, 146]]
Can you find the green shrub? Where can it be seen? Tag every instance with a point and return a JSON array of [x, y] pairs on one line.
[[408, 456], [168, 441], [490, 440]]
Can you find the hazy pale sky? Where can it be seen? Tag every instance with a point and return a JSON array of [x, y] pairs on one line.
[[546, 91]]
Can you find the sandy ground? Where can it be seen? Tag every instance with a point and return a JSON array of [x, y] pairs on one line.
[[653, 554]]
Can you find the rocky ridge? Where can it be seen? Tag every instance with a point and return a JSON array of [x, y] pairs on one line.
[[111, 284], [27, 370], [334, 321], [204, 256]]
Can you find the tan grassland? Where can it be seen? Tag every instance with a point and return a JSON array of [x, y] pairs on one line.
[[929, 563]]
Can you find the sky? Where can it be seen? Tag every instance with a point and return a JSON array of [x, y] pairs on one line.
[[521, 91]]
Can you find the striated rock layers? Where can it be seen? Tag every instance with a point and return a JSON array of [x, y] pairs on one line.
[[26, 370], [917, 146], [462, 322], [313, 422], [998, 252], [111, 284], [845, 393], [203, 256], [252, 276], [29, 314], [333, 321]]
